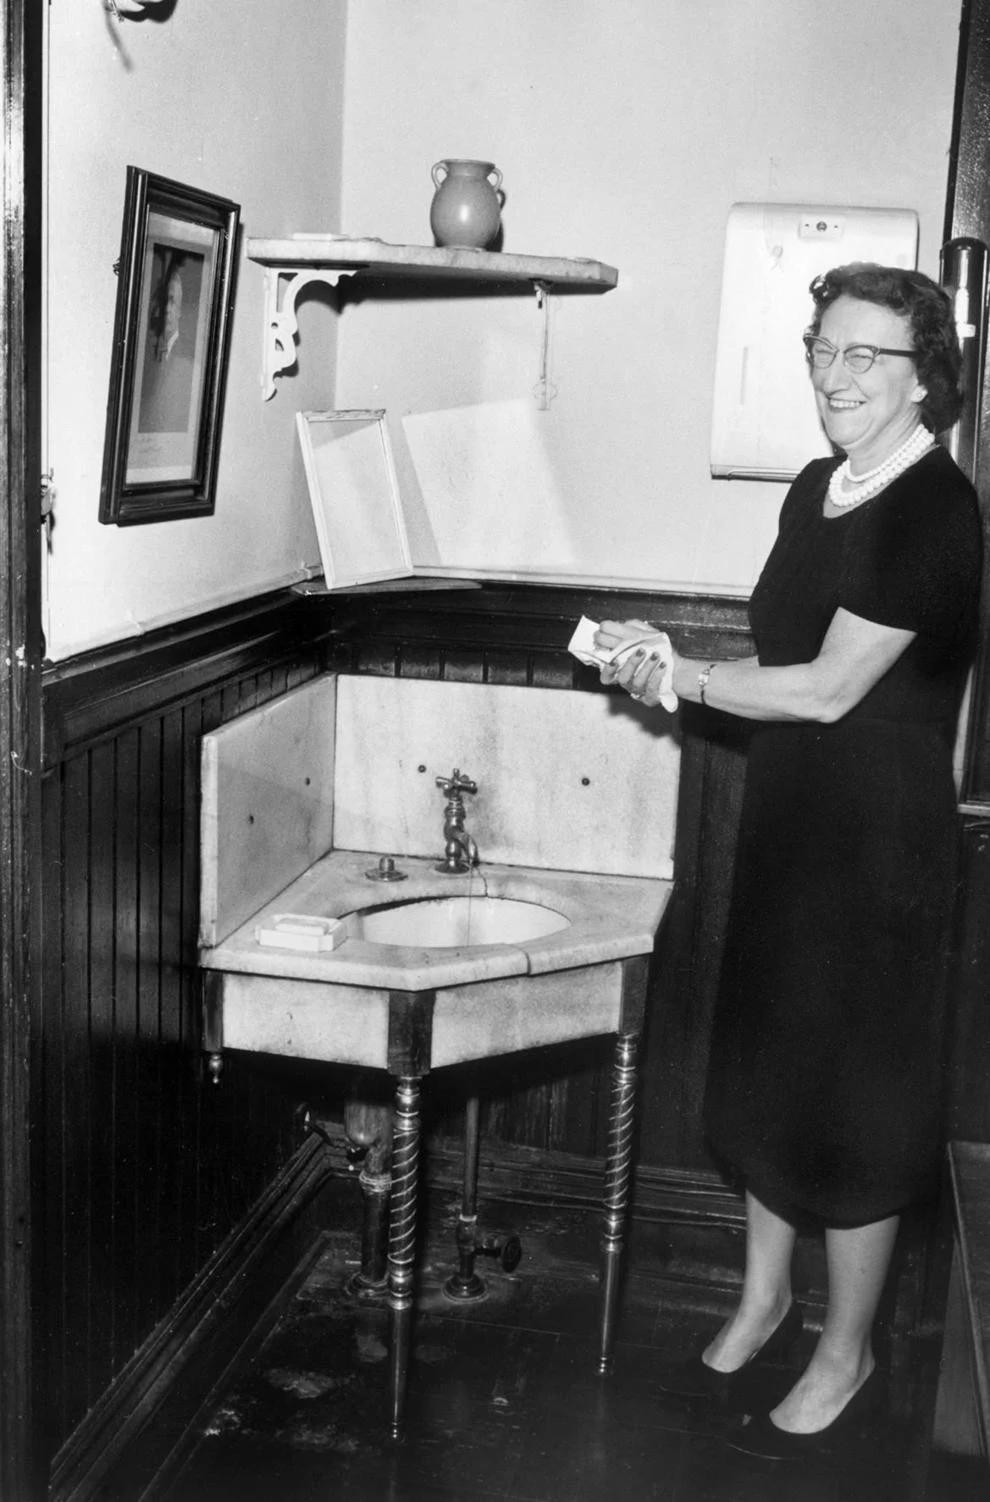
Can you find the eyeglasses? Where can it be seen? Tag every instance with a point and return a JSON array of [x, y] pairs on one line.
[[855, 357]]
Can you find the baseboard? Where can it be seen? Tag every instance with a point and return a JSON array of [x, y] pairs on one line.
[[136, 1430]]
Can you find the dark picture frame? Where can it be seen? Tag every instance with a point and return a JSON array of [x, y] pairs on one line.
[[175, 299]]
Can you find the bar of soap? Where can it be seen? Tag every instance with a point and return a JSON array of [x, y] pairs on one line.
[[301, 931]]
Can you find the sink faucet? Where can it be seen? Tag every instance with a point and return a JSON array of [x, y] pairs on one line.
[[460, 852]]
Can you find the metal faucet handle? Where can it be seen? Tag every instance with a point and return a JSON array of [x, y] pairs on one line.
[[455, 783]]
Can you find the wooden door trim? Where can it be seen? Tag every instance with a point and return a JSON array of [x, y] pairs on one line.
[[20, 695], [967, 213]]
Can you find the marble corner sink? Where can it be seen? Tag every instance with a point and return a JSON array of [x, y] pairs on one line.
[[540, 961], [527, 921], [454, 922]]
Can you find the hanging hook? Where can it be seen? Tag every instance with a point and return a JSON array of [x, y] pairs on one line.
[[544, 390]]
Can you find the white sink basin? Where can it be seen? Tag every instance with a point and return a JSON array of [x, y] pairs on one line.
[[454, 922]]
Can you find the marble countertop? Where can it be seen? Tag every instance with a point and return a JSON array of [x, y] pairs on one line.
[[609, 918]]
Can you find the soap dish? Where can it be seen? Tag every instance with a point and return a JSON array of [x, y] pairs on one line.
[[301, 931]]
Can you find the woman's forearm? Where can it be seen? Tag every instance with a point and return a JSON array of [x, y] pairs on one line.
[[742, 687], [854, 656]]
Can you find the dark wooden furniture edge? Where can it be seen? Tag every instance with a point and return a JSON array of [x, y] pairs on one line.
[[962, 1413]]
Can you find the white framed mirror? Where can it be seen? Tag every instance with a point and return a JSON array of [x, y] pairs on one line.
[[354, 493]]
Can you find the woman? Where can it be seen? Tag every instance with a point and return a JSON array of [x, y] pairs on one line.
[[824, 1083]]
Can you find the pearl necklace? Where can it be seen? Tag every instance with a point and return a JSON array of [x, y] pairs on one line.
[[862, 487]]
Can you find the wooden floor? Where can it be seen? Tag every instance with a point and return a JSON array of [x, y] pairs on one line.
[[504, 1401]]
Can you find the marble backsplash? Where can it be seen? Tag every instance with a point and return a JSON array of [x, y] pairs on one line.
[[567, 781]]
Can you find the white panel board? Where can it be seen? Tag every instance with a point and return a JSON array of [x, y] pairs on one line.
[[764, 421], [355, 496], [493, 492], [267, 804]]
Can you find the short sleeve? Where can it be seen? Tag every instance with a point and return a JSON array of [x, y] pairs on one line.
[[915, 562]]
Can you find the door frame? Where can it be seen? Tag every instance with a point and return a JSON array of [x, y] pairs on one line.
[[967, 213], [21, 56]]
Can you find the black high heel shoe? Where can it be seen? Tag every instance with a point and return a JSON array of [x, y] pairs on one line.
[[693, 1379], [761, 1436]]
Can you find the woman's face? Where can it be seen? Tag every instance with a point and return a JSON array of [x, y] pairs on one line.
[[871, 414]]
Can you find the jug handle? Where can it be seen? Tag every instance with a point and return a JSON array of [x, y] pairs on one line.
[[498, 182], [440, 167]]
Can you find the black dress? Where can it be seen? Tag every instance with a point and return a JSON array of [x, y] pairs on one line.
[[825, 1080]]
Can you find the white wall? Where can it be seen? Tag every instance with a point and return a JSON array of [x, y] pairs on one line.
[[624, 132], [243, 99]]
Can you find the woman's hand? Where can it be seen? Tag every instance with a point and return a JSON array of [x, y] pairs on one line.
[[646, 671]]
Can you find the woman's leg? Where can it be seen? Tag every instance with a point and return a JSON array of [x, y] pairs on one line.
[[766, 1290], [858, 1260]]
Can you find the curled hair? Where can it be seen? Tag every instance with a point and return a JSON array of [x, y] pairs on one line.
[[928, 309]]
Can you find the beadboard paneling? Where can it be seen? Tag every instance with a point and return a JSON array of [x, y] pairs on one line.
[[147, 1166]]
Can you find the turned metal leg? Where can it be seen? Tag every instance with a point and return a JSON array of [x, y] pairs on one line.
[[618, 1178], [402, 1240]]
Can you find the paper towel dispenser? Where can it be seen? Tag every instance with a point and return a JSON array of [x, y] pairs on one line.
[[764, 420]]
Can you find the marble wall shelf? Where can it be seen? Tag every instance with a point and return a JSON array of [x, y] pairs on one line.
[[366, 253], [292, 263]]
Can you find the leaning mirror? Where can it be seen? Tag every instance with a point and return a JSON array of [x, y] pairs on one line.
[[355, 497]]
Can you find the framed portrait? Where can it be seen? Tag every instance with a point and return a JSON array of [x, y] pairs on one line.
[[175, 297]]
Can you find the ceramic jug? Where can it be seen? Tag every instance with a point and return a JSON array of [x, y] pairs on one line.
[[467, 205]]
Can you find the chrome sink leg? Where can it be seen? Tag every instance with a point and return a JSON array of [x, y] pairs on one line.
[[618, 1179], [465, 1283], [402, 1240]]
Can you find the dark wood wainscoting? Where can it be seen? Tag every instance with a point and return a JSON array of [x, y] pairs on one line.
[[144, 1167], [148, 1172]]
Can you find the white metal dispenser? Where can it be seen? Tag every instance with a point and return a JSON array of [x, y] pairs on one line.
[[764, 422]]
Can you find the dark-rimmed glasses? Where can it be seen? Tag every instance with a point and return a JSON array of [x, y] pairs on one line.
[[855, 357]]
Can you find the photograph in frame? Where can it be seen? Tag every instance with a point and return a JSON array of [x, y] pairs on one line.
[[170, 350]]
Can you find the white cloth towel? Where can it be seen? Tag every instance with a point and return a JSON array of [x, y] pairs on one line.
[[582, 646]]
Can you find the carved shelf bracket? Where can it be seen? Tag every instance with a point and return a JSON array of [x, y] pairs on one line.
[[281, 322]]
